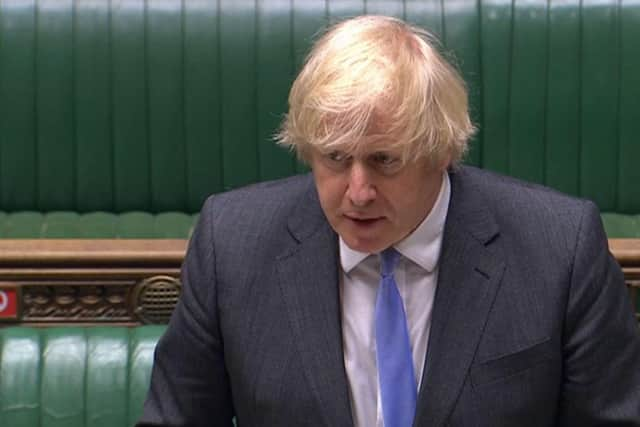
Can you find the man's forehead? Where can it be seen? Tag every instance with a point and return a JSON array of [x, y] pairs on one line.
[[368, 144]]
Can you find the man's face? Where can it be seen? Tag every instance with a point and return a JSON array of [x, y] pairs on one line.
[[371, 199]]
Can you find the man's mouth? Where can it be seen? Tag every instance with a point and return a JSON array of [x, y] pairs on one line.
[[364, 221]]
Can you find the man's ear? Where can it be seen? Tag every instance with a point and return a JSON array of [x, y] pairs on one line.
[[445, 163]]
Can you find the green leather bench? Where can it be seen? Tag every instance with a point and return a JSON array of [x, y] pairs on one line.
[[97, 225], [139, 109], [74, 377]]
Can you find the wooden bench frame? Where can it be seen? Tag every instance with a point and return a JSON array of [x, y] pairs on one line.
[[76, 281], [132, 282]]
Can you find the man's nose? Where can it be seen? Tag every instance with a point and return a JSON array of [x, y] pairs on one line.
[[361, 190]]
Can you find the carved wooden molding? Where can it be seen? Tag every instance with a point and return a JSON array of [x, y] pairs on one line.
[[124, 282], [129, 282]]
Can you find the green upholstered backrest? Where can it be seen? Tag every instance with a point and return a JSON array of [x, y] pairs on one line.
[[104, 225], [150, 105], [75, 377]]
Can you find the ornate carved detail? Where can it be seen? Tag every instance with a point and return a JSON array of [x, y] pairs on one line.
[[155, 298], [76, 302]]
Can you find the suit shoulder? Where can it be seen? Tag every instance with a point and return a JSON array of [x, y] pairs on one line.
[[262, 195], [257, 210], [509, 193], [528, 214]]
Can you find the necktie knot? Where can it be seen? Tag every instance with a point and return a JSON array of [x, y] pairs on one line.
[[388, 260]]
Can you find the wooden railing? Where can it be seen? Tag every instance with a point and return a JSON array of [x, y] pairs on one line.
[[129, 282]]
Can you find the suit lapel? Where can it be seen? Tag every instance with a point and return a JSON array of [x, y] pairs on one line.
[[469, 276], [308, 273]]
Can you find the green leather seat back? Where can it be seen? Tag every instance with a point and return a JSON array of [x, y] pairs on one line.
[[139, 225], [151, 105], [75, 377]]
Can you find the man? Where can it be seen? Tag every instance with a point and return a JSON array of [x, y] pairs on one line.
[[498, 304]]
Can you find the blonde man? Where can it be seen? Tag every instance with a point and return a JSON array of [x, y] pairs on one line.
[[498, 303]]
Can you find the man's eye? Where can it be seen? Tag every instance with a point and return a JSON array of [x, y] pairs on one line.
[[384, 159], [336, 156]]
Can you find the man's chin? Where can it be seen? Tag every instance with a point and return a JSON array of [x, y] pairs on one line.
[[370, 245]]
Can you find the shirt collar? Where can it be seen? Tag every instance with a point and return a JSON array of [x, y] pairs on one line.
[[422, 246]]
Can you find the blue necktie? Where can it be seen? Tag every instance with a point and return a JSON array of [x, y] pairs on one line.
[[393, 349]]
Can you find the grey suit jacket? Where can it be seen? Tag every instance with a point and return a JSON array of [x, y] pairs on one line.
[[531, 326]]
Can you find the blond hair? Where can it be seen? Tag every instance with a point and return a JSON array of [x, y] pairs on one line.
[[377, 76]]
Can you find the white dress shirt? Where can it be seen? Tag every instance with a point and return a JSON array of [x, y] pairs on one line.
[[416, 276]]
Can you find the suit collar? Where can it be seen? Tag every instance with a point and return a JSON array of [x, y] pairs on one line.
[[471, 268], [307, 217], [469, 208]]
